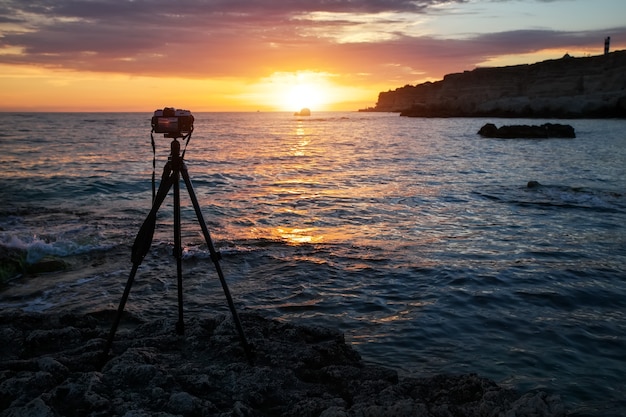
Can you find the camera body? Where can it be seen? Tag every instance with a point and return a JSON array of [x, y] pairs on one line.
[[172, 122]]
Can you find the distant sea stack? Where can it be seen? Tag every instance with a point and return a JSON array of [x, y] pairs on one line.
[[589, 87]]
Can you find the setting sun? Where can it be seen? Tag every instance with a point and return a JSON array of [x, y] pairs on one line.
[[304, 95], [306, 89], [297, 90]]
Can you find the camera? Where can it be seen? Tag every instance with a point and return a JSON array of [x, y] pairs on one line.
[[172, 122]]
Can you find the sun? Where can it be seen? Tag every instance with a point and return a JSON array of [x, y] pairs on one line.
[[317, 91], [293, 91], [306, 95]]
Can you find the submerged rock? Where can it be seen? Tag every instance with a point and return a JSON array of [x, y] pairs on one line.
[[50, 367], [14, 263]]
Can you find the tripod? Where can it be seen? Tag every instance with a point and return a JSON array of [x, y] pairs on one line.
[[172, 171]]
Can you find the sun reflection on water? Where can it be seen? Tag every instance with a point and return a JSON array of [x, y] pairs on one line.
[[299, 148], [296, 235], [288, 235], [305, 183]]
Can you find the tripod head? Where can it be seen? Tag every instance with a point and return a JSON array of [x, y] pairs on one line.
[[175, 158]]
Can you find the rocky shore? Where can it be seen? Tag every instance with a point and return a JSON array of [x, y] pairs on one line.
[[569, 87], [51, 366]]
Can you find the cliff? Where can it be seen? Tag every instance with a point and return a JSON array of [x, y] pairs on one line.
[[569, 87]]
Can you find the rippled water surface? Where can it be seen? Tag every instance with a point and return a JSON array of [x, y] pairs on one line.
[[416, 237]]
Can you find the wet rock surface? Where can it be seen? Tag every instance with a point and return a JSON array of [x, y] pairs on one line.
[[51, 366], [13, 264]]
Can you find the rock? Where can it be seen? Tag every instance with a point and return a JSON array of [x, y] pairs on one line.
[[35, 408], [53, 367], [47, 265], [14, 262], [540, 404], [545, 131], [298, 371], [303, 112], [183, 403], [489, 130]]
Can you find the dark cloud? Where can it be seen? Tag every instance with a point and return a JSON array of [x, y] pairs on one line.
[[173, 9], [210, 38], [437, 57]]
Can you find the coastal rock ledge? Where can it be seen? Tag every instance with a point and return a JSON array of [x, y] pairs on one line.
[[586, 87], [50, 366]]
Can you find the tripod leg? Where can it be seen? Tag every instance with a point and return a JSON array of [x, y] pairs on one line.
[[215, 258], [143, 241], [118, 317], [141, 246], [178, 253]]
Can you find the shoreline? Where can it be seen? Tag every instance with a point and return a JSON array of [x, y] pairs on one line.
[[50, 367]]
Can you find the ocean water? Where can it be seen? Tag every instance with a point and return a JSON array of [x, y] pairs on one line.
[[417, 238]]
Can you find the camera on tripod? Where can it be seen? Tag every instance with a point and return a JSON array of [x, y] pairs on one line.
[[172, 122]]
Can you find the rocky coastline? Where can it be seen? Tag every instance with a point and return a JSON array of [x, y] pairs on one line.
[[51, 365], [568, 88]]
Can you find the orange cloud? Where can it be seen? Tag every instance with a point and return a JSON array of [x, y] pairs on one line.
[[220, 54]]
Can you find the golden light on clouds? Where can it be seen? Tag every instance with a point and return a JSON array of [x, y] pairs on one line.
[[277, 56], [61, 90], [546, 54], [351, 28]]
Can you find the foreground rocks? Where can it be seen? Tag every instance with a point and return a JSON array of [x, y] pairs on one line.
[[545, 131], [50, 366]]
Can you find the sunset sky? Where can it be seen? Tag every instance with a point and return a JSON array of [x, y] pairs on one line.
[[273, 55]]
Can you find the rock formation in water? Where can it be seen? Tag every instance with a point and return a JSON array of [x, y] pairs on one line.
[[593, 87], [545, 131], [14, 262], [50, 366]]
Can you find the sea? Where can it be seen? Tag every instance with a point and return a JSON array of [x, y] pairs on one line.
[[417, 238]]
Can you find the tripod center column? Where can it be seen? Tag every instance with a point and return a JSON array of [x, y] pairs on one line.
[[175, 154]]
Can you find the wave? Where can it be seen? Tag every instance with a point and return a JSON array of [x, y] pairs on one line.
[[63, 245], [63, 188], [535, 194]]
